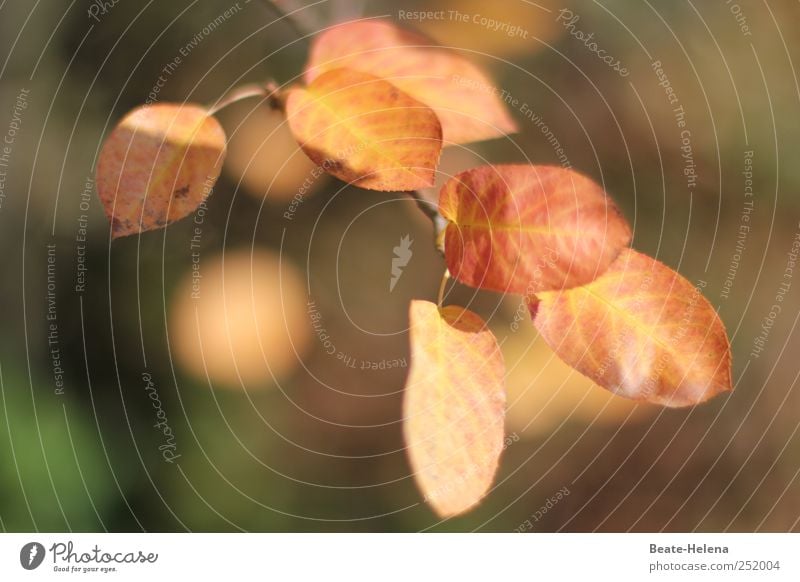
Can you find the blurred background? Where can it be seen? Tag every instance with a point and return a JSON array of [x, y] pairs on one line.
[[271, 400]]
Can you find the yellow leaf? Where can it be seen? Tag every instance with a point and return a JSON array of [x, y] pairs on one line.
[[454, 406], [465, 99], [366, 131], [640, 330], [157, 166]]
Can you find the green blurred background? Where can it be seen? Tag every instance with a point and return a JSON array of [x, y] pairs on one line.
[[275, 434]]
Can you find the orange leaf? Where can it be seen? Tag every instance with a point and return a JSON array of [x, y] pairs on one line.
[[366, 131], [454, 406], [525, 229], [463, 97], [158, 165], [642, 331]]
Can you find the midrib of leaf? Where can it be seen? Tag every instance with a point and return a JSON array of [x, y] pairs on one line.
[[490, 224], [648, 331], [520, 226], [514, 228]]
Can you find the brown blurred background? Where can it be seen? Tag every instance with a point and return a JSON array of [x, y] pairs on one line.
[[273, 425]]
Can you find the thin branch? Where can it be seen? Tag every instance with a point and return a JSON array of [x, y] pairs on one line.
[[268, 91], [442, 286], [438, 222]]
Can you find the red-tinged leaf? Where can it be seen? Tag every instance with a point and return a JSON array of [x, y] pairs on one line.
[[366, 131], [157, 166], [464, 98], [642, 331], [454, 406], [524, 229]]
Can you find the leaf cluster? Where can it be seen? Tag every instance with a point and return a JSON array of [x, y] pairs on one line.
[[377, 106]]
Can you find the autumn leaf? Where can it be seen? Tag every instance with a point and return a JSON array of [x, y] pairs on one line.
[[524, 229], [465, 99], [642, 331], [157, 166], [366, 131], [454, 406]]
